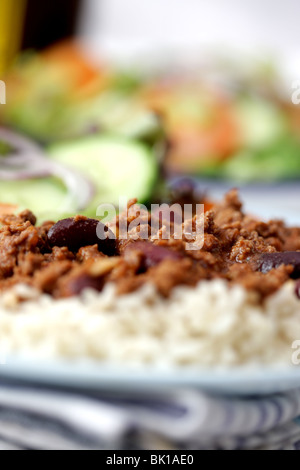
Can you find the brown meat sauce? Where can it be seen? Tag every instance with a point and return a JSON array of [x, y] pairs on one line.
[[233, 245]]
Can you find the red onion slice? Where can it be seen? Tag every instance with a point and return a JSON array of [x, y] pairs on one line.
[[79, 187], [19, 142], [23, 166], [28, 160]]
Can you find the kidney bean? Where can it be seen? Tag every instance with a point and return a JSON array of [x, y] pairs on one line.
[[269, 261], [185, 190], [153, 254], [80, 231]]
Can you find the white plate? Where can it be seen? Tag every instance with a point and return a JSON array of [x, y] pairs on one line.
[[275, 201], [242, 381], [98, 376], [269, 201]]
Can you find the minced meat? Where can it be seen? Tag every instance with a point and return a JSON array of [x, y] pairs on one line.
[[232, 246]]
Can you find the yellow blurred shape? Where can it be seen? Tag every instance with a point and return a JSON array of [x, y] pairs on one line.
[[12, 14]]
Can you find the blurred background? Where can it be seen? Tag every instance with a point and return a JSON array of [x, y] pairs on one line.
[[194, 97]]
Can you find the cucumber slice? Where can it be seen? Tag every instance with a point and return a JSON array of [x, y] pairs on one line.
[[46, 197], [261, 121], [117, 167]]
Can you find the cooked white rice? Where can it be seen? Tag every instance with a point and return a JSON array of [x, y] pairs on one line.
[[211, 324]]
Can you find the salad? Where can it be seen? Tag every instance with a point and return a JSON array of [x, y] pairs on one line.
[[111, 133]]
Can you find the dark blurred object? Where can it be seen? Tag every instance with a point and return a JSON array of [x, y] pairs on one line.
[[48, 22], [183, 190]]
